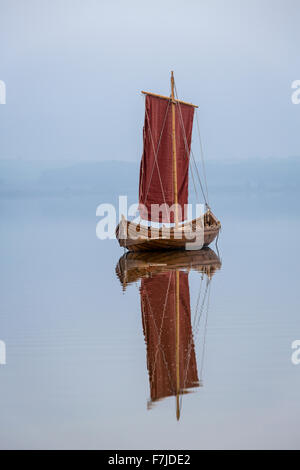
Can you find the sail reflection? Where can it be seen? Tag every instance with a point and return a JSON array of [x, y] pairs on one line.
[[169, 327]]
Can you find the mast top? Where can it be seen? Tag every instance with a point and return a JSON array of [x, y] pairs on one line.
[[172, 78], [169, 97]]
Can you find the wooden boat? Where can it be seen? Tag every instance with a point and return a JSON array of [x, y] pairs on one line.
[[164, 177], [166, 316]]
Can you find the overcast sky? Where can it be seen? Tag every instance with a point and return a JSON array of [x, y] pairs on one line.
[[74, 70]]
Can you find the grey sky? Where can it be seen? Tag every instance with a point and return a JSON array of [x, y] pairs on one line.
[[74, 69]]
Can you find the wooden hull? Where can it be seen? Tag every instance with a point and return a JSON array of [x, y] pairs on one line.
[[136, 237]]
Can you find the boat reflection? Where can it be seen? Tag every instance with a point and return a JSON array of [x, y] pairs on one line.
[[170, 329]]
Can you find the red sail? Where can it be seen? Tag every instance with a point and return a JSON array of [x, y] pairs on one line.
[[156, 171], [158, 305]]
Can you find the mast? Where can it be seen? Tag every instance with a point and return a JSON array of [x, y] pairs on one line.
[[174, 151], [176, 225]]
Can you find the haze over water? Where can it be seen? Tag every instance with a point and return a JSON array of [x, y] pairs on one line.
[[76, 373]]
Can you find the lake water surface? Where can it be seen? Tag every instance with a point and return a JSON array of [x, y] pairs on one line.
[[76, 348]]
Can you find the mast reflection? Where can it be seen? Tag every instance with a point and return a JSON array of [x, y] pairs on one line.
[[169, 328]]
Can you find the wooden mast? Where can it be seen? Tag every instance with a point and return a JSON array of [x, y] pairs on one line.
[[174, 151], [176, 225]]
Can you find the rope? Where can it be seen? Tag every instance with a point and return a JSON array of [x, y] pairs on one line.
[[198, 320], [192, 342], [202, 155], [186, 146], [195, 329], [205, 331], [191, 152], [216, 243], [197, 303]]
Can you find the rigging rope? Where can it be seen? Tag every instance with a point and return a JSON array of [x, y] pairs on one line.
[[198, 317], [202, 155], [204, 337], [186, 146], [205, 196], [194, 337]]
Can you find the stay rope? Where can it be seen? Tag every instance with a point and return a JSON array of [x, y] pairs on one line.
[[204, 336], [202, 155], [195, 330], [190, 152]]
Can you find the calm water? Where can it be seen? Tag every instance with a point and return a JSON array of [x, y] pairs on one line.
[[76, 373]]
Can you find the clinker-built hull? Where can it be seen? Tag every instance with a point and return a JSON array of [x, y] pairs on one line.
[[192, 235]]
